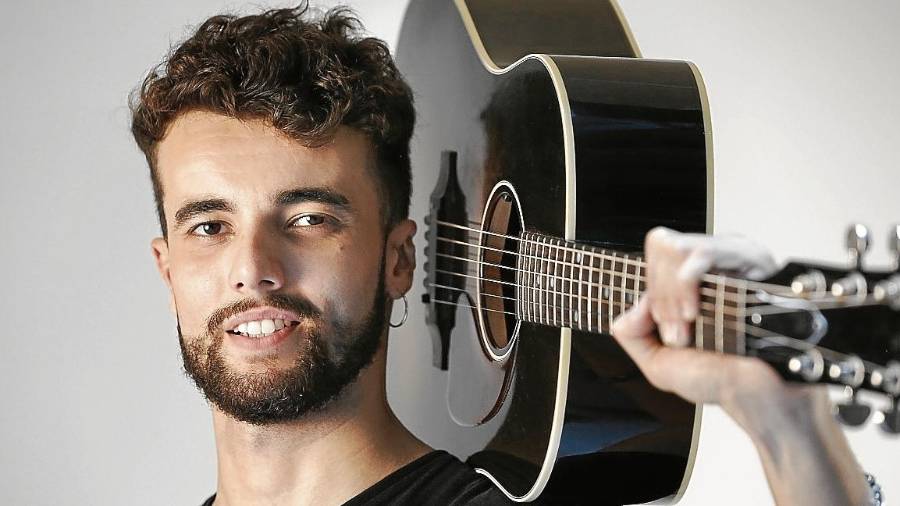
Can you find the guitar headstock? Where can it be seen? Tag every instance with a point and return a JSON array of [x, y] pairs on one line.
[[835, 324]]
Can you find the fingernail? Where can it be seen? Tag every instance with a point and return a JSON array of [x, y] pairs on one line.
[[668, 332]]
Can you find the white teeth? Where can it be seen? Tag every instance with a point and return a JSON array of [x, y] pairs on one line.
[[260, 328]]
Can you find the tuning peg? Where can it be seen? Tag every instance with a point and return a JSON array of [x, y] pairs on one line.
[[894, 245], [889, 419], [809, 365], [811, 283], [852, 284], [850, 371], [857, 244], [852, 412], [888, 290]]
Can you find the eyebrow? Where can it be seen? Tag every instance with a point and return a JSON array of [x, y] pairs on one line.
[[316, 194], [322, 195], [195, 208]]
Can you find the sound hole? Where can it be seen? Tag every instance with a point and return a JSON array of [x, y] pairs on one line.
[[499, 251]]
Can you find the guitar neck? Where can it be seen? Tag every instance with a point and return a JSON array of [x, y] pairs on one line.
[[567, 284]]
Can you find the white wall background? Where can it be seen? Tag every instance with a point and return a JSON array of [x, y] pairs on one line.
[[93, 405]]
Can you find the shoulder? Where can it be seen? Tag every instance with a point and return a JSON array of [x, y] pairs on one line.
[[435, 478]]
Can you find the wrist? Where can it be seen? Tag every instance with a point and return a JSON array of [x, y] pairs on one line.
[[773, 411]]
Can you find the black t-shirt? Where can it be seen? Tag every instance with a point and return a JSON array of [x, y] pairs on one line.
[[436, 478]]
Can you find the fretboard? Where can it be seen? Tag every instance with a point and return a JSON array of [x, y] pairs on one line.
[[577, 286]]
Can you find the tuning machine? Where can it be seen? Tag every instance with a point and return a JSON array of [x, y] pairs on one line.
[[888, 290], [809, 365], [888, 380], [852, 412], [854, 284], [889, 419], [850, 372]]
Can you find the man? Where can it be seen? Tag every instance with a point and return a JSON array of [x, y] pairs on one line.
[[279, 154]]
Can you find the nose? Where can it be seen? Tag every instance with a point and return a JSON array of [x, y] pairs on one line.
[[257, 265]]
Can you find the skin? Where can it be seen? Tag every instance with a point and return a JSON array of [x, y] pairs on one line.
[[265, 249], [804, 453], [261, 249]]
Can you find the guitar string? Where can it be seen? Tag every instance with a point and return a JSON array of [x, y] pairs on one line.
[[708, 302], [625, 277], [595, 286], [758, 334], [704, 291], [600, 289], [770, 338], [611, 256], [615, 257]]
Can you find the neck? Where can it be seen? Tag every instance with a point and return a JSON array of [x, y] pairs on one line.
[[567, 284], [356, 437]]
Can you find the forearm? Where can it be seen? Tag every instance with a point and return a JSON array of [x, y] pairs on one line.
[[804, 453]]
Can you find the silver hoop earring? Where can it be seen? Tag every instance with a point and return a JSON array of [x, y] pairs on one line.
[[405, 313]]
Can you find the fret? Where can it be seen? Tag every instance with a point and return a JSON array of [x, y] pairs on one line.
[[548, 293], [601, 291], [535, 281], [526, 295], [570, 279], [553, 305], [520, 283], [565, 301], [543, 294], [637, 284], [740, 329], [698, 331], [624, 288], [720, 315], [578, 321], [599, 299], [590, 300], [563, 288], [608, 289], [707, 323]]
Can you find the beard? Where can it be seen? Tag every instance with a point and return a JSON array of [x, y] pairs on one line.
[[315, 378]]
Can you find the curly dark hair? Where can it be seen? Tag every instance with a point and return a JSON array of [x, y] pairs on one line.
[[304, 75]]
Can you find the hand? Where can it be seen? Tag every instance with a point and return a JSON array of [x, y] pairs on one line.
[[804, 453], [743, 386]]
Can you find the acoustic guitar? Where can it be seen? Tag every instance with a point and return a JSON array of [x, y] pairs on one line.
[[550, 148]]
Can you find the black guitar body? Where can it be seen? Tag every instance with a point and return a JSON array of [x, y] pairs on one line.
[[583, 141]]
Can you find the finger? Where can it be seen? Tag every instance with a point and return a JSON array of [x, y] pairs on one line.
[[692, 374], [663, 255], [633, 330]]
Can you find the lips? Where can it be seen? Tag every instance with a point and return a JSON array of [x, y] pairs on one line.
[[254, 319], [261, 328]]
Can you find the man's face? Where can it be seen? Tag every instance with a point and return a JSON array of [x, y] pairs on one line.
[[274, 260]]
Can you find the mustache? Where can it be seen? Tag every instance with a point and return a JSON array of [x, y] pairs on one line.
[[300, 305]]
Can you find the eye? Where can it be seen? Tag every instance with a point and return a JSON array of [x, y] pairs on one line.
[[207, 229], [309, 220]]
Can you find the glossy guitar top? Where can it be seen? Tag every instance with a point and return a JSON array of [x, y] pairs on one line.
[[580, 146]]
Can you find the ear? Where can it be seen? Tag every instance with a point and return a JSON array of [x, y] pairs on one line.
[[160, 249], [400, 259]]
